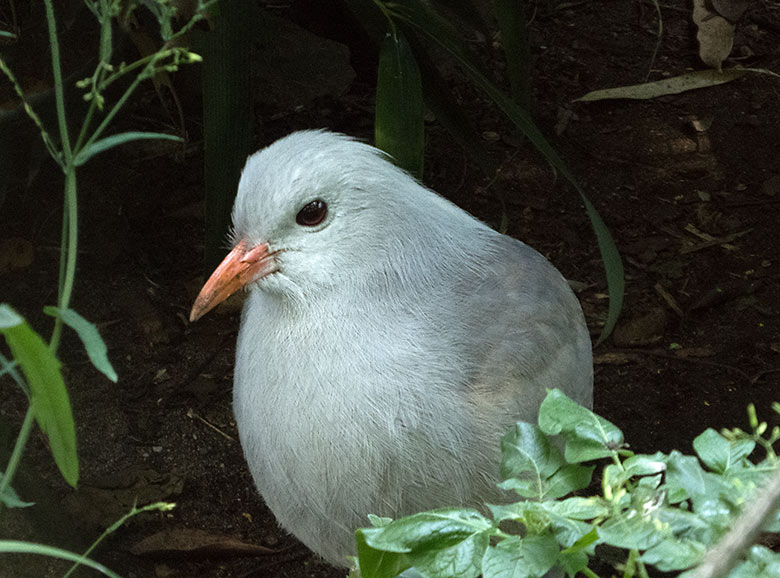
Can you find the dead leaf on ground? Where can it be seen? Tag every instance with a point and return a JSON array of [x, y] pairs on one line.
[[189, 542], [695, 352], [15, 253], [615, 358], [642, 330], [715, 35], [731, 10], [724, 292], [667, 86]]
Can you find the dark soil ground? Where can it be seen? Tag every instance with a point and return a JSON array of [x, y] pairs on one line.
[[694, 213]]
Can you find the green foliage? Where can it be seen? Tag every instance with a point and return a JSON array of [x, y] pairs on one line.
[[666, 510], [422, 23], [90, 337], [398, 119], [48, 396], [40, 377]]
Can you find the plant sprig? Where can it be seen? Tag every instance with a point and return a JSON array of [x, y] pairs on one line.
[[669, 511]]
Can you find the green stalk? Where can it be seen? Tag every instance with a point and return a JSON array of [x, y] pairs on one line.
[[117, 106], [69, 245], [69, 251], [161, 506], [59, 87], [16, 456]]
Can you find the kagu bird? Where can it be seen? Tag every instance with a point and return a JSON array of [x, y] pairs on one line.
[[388, 341]]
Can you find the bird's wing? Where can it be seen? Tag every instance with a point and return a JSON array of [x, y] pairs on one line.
[[527, 332]]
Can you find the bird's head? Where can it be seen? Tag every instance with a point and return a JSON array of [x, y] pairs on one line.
[[314, 210]]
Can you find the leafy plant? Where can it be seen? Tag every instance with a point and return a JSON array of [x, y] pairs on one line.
[[409, 27], [34, 365], [666, 510]]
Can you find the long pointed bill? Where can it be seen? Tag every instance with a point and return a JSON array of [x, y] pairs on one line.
[[243, 265]]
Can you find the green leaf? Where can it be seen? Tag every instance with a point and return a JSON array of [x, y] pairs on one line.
[[90, 337], [5, 34], [48, 396], [376, 563], [761, 562], [645, 465], [17, 547], [104, 144], [714, 498], [9, 318], [462, 559], [518, 557], [588, 436], [720, 454], [514, 38], [630, 530], [579, 508], [420, 17], [527, 454], [573, 562], [568, 479], [10, 498], [436, 529], [567, 531], [674, 554], [399, 128]]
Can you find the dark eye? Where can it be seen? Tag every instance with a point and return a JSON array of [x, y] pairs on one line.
[[312, 214]]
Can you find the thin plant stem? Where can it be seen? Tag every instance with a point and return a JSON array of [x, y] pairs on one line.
[[50, 146], [59, 92], [16, 455], [69, 246], [69, 251], [162, 506]]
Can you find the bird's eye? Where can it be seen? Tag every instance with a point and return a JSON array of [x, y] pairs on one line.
[[312, 214]]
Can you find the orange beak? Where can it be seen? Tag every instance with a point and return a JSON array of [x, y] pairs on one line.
[[243, 265]]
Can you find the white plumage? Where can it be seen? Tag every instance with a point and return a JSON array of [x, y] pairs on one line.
[[384, 350]]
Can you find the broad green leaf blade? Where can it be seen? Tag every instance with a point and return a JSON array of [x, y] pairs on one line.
[[18, 547], [5, 34], [90, 337], [514, 38], [399, 129], [674, 85], [48, 396], [419, 16], [721, 454], [9, 318], [104, 144], [462, 559], [588, 436], [568, 479], [675, 554], [516, 557], [433, 530], [228, 125], [379, 563], [630, 530]]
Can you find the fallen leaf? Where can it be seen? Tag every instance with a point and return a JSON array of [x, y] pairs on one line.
[[667, 86], [188, 542], [15, 253], [615, 358], [731, 10], [642, 330], [715, 35]]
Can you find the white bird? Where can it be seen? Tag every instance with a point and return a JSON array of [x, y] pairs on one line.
[[388, 341]]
